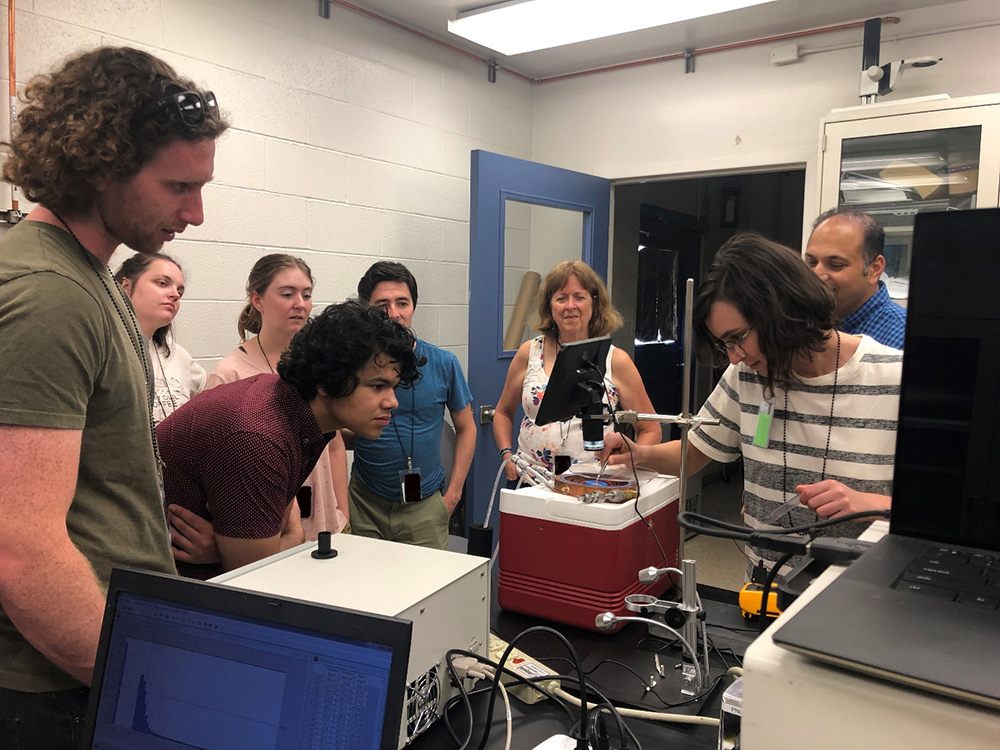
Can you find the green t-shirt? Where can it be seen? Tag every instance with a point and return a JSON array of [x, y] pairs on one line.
[[67, 361]]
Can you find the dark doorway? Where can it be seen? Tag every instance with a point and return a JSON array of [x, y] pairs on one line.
[[692, 217]]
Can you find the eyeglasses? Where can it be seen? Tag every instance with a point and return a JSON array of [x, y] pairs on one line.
[[734, 345], [192, 107]]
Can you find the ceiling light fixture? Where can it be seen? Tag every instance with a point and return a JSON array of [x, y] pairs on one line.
[[518, 26]]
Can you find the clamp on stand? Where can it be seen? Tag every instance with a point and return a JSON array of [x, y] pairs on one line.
[[681, 620]]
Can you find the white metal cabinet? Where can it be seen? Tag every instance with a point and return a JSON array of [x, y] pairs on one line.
[[896, 159]]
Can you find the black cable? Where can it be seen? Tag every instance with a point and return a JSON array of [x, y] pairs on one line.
[[582, 741], [647, 524], [603, 700], [686, 520], [526, 681], [463, 694], [771, 575], [601, 663]]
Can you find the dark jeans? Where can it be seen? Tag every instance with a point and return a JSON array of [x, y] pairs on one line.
[[42, 721]]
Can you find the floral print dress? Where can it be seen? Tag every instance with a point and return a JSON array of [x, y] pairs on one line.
[[541, 444]]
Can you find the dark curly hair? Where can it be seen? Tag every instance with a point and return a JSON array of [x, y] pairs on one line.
[[604, 318], [386, 270], [332, 349], [135, 267], [787, 305], [79, 125]]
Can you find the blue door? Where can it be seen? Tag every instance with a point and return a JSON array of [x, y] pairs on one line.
[[525, 218]]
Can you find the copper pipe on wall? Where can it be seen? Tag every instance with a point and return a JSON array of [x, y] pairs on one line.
[[14, 215]]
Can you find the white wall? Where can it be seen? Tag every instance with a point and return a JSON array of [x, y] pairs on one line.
[[350, 143], [738, 111]]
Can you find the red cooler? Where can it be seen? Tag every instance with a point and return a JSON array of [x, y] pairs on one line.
[[566, 561]]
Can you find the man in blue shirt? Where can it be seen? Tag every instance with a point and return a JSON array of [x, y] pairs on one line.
[[845, 251], [398, 488]]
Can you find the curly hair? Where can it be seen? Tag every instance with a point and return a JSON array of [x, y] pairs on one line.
[[783, 301], [386, 270], [872, 233], [260, 278], [604, 319], [333, 348], [135, 267], [79, 126]]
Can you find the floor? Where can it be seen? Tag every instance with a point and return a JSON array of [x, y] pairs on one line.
[[720, 562]]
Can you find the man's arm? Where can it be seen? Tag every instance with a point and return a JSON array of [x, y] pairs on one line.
[[192, 537], [236, 553], [338, 466], [465, 449], [47, 587]]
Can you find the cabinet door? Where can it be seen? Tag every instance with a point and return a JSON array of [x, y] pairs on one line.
[[897, 166]]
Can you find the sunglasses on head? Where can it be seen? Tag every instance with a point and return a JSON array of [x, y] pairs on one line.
[[191, 107]]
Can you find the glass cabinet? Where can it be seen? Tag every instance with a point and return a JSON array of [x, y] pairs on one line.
[[893, 160]]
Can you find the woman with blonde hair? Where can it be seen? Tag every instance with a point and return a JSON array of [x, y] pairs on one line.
[[279, 302], [155, 284], [573, 304]]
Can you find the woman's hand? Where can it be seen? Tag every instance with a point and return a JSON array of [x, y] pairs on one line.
[[831, 499], [618, 450]]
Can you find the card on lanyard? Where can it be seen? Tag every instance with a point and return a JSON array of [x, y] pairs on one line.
[[765, 413]]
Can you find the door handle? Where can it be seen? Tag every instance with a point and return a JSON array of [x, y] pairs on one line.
[[486, 412]]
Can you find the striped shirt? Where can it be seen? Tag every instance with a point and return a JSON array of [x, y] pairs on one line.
[[862, 436]]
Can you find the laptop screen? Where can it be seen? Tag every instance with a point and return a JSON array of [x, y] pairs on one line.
[[185, 664], [946, 485]]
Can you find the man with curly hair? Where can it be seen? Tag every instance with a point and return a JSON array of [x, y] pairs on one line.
[[115, 148], [237, 454]]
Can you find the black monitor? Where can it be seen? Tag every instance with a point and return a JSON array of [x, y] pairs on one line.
[[184, 663], [576, 388], [946, 485]]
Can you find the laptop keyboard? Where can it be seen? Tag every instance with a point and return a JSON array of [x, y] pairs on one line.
[[970, 578]]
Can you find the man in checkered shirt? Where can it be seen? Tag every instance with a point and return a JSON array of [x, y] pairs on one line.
[[845, 251]]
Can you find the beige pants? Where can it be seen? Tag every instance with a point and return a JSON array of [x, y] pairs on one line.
[[424, 524]]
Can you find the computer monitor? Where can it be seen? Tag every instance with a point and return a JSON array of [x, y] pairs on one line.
[[946, 485], [576, 387], [190, 664]]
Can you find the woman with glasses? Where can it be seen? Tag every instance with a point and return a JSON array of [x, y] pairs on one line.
[[279, 302], [573, 305], [812, 411], [155, 284]]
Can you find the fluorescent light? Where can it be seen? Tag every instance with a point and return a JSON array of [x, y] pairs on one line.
[[517, 26]]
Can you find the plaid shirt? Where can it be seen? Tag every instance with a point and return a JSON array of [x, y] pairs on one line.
[[880, 318]]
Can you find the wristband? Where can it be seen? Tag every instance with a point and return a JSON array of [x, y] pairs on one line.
[[505, 451]]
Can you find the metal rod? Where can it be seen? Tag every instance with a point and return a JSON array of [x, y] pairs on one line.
[[685, 407]]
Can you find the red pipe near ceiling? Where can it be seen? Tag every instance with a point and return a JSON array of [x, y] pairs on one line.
[[608, 68]]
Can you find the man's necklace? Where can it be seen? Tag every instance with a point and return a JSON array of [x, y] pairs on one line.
[[829, 430], [132, 337]]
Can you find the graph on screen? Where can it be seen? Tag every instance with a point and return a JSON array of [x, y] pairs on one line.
[[199, 700]]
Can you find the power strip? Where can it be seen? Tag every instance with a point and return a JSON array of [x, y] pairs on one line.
[[522, 664]]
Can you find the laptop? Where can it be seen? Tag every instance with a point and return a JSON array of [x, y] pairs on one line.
[[189, 664], [922, 607]]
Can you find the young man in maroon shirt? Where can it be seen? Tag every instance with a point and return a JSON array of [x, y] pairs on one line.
[[237, 454]]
